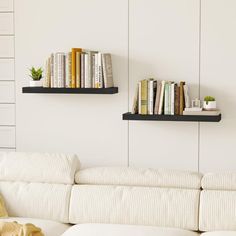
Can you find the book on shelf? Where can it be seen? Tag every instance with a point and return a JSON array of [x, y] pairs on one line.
[[144, 97], [157, 98], [166, 99], [78, 69], [181, 98], [150, 101], [68, 70], [201, 113], [177, 99], [73, 65], [107, 70], [135, 108]]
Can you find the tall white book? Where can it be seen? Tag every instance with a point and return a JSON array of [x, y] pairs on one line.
[[107, 70], [98, 71], [87, 81], [47, 76], [82, 70], [150, 96], [186, 96], [172, 99], [55, 70], [52, 70], [60, 58], [68, 70]]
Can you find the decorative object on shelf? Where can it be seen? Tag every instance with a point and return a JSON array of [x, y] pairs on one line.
[[196, 103], [36, 75], [209, 103], [79, 69]]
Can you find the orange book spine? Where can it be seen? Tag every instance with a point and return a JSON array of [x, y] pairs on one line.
[[73, 66]]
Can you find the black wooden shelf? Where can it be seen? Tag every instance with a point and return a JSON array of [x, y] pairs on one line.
[[112, 90], [193, 118]]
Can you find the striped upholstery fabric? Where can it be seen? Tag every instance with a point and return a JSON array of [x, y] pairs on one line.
[[217, 210], [135, 205], [38, 167], [138, 177], [37, 200], [219, 181]]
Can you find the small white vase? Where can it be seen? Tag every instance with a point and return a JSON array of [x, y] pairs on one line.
[[209, 106], [36, 83]]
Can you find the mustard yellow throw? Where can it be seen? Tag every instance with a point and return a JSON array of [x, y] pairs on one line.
[[3, 211], [15, 229]]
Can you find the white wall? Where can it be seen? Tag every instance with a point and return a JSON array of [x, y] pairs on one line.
[[166, 39]]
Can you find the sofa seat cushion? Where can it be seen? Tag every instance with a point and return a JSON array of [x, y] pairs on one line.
[[124, 230], [49, 227], [220, 233]]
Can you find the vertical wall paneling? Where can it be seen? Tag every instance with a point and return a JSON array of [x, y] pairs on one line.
[[7, 80], [7, 69], [89, 125], [164, 44], [218, 73], [6, 5], [164, 39]]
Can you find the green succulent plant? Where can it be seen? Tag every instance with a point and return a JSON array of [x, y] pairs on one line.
[[209, 99], [36, 74]]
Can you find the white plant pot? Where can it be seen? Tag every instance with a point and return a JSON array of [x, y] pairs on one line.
[[209, 105], [36, 83]]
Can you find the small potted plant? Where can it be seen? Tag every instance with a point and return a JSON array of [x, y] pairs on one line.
[[36, 75], [209, 103]]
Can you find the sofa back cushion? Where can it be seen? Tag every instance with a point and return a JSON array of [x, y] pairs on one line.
[[139, 177], [37, 200], [136, 196], [218, 202], [38, 167], [37, 185]]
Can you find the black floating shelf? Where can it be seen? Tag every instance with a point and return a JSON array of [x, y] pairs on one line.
[[112, 90], [194, 118]]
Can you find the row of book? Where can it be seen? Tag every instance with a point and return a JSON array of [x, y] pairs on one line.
[[79, 69], [160, 97]]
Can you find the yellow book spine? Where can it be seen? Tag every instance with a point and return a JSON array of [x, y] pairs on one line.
[[73, 66], [144, 96]]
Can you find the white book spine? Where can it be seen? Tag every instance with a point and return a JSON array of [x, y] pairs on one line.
[[46, 80], [60, 70], [100, 74], [139, 97], [93, 70], [68, 70], [150, 96], [186, 96], [172, 106], [55, 69], [82, 69], [107, 70], [96, 71], [166, 107], [161, 98], [86, 71], [90, 70], [52, 70]]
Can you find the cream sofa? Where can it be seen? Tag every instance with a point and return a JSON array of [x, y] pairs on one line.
[[50, 191]]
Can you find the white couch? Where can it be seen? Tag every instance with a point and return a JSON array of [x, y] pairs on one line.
[[50, 191]]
